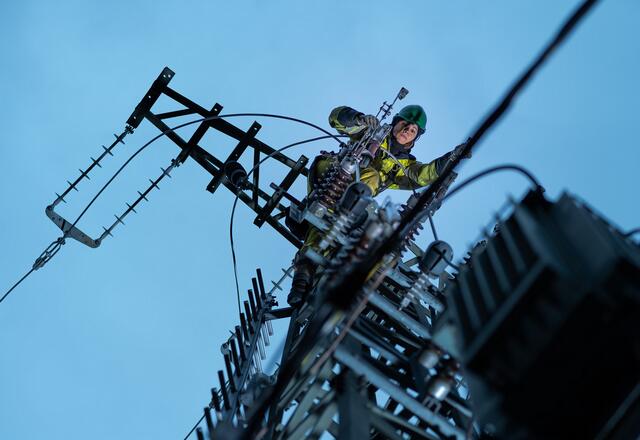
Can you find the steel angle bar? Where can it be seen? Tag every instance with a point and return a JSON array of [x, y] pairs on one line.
[[415, 249], [243, 144], [324, 420], [214, 166], [385, 333], [333, 429], [206, 160], [229, 129], [352, 408], [384, 428], [409, 323], [398, 394], [284, 312], [381, 419], [386, 352], [256, 173], [423, 314], [296, 387], [198, 134], [276, 409], [458, 406], [175, 114], [288, 180], [159, 86], [391, 372], [306, 402], [317, 414]]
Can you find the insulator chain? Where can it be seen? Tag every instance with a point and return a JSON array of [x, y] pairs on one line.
[[412, 233], [339, 228], [48, 253], [142, 196], [422, 289], [94, 162], [333, 185], [356, 247]]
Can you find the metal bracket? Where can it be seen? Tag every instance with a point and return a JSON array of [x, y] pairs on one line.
[[291, 176], [235, 155], [144, 106], [69, 230]]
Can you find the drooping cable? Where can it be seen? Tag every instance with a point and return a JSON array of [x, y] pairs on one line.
[[632, 232], [491, 170], [235, 203]]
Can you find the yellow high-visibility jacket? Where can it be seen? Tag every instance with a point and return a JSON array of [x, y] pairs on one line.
[[345, 120]]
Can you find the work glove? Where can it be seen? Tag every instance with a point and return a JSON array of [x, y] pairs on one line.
[[368, 120], [457, 151]]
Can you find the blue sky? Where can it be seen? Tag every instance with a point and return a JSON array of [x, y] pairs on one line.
[[123, 341]]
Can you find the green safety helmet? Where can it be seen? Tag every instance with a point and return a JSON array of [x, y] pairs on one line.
[[414, 114]]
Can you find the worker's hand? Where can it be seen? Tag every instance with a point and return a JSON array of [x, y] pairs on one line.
[[368, 120], [459, 149]]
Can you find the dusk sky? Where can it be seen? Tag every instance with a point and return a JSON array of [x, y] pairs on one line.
[[123, 341]]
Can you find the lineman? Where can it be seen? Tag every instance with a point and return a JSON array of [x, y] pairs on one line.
[[384, 172]]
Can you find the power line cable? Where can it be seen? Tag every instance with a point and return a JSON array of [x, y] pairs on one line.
[[632, 232], [492, 170], [17, 284], [195, 426]]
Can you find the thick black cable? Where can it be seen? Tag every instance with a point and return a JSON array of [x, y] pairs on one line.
[[360, 272], [235, 203], [632, 232], [164, 133], [491, 170]]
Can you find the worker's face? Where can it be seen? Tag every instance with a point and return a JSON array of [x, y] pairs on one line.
[[405, 132]]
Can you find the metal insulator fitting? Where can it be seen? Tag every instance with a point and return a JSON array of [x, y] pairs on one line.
[[235, 173], [421, 289], [414, 292], [436, 258], [340, 227], [430, 357], [440, 386], [348, 165]]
